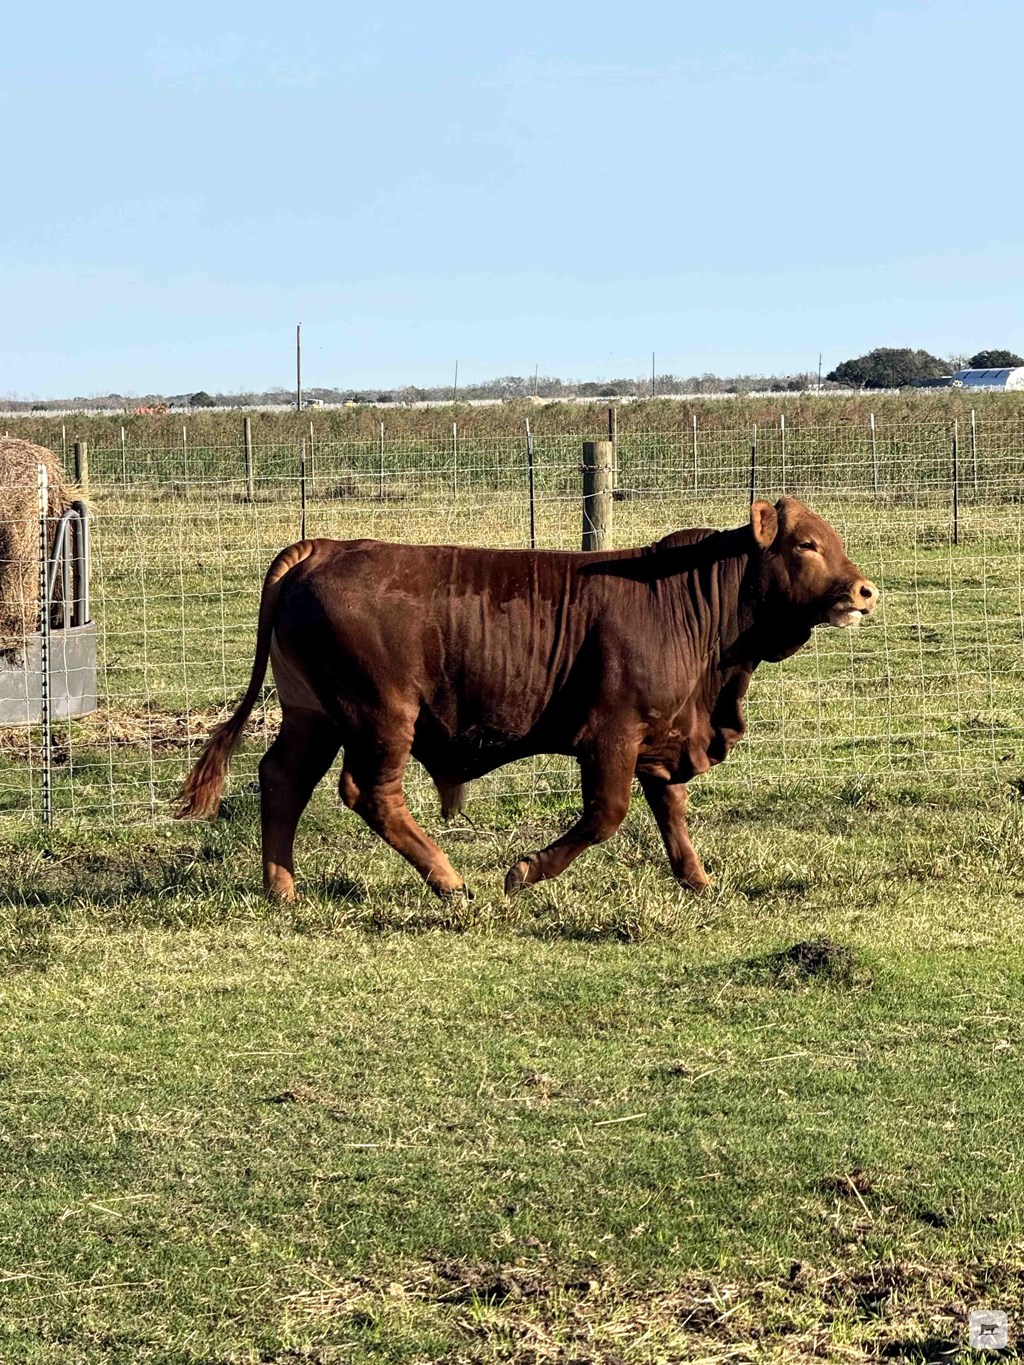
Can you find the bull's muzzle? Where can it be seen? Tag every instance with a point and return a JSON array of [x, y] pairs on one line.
[[850, 610]]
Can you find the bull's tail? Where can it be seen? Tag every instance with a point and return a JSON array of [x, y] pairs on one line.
[[200, 796]]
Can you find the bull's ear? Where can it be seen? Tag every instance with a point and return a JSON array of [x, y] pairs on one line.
[[764, 522]]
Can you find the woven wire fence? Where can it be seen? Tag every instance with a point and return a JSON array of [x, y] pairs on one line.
[[927, 691]]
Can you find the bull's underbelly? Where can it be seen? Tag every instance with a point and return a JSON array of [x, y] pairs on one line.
[[463, 750], [463, 755]]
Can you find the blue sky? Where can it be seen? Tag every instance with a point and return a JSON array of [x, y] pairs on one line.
[[735, 187]]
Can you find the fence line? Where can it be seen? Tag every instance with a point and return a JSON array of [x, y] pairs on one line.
[[928, 692], [890, 461]]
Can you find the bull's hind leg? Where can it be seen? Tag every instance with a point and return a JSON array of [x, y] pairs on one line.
[[305, 748], [667, 801], [607, 780], [371, 785]]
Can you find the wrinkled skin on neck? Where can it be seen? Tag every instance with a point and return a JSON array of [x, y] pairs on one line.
[[753, 594]]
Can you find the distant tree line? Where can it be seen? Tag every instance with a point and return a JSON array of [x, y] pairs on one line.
[[994, 360], [512, 386], [882, 368], [507, 387]]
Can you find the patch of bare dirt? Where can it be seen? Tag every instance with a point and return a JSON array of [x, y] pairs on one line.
[[850, 1183], [820, 959], [532, 1313]]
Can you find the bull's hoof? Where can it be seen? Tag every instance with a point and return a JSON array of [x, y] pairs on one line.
[[454, 895], [281, 895], [697, 885], [517, 877]]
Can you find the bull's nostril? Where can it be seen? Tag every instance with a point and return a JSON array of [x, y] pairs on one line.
[[866, 590]]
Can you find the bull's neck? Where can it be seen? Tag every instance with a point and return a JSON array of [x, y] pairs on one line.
[[712, 600]]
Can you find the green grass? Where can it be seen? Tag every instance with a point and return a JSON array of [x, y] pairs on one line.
[[603, 1121]]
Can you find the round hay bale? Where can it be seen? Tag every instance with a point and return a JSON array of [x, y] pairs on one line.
[[19, 536]]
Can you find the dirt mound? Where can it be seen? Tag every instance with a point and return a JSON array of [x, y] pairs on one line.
[[817, 959], [19, 536]]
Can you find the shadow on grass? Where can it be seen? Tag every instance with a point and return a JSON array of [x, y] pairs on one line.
[[25, 944], [338, 887], [930, 1351], [810, 960], [625, 930], [147, 877], [412, 916]]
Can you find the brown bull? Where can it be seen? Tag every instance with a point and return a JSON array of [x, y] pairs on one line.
[[635, 662]]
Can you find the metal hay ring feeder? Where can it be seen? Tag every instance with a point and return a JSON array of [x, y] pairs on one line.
[[55, 677]]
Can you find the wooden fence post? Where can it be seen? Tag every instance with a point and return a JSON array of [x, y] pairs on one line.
[[82, 466], [598, 466], [44, 643]]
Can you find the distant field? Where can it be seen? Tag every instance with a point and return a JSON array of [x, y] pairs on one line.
[[586, 420]]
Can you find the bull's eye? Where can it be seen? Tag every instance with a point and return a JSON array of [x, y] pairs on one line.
[[807, 545]]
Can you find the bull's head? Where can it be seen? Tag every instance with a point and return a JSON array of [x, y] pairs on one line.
[[805, 576]]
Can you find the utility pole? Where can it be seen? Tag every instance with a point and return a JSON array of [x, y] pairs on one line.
[[455, 389], [298, 366], [652, 375], [819, 372]]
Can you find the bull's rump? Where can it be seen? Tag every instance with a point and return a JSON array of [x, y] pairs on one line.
[[490, 654]]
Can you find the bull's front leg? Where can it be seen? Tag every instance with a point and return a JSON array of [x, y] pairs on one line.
[[607, 779], [667, 801]]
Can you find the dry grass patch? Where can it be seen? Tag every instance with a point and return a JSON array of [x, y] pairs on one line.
[[533, 1312]]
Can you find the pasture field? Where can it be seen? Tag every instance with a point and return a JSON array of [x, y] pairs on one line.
[[607, 1122]]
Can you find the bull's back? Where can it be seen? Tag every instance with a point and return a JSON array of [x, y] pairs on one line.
[[483, 642]]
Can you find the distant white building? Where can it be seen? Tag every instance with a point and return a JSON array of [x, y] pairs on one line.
[[1007, 381]]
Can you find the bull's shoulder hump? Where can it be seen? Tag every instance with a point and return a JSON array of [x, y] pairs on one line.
[[692, 535]]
